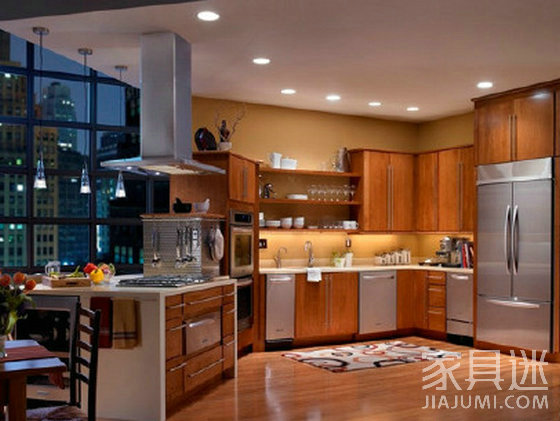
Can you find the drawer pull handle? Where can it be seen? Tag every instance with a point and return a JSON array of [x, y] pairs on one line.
[[173, 329], [180, 366], [201, 323], [204, 300], [202, 370], [435, 312], [230, 312], [435, 289], [176, 306], [229, 343], [438, 277], [231, 294]]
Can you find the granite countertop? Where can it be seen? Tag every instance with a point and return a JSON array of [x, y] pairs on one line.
[[112, 288], [361, 268]]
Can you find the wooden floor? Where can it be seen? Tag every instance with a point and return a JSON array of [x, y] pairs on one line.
[[271, 387]]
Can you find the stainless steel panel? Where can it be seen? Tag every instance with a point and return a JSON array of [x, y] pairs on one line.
[[203, 331], [459, 289], [280, 306], [514, 323], [532, 240], [378, 302], [458, 327], [532, 169], [198, 252], [494, 277]]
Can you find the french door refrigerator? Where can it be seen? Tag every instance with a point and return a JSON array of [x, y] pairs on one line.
[[514, 247]]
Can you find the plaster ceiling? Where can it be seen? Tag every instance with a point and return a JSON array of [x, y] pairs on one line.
[[427, 53]]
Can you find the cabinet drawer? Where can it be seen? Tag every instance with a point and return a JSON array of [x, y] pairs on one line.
[[436, 295], [174, 307], [202, 302], [174, 338], [203, 368], [229, 349], [174, 383], [436, 277], [436, 319], [228, 319], [229, 294]]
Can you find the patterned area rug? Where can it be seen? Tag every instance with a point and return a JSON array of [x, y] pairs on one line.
[[361, 356]]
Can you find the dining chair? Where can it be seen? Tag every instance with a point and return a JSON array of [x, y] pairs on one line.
[[83, 370]]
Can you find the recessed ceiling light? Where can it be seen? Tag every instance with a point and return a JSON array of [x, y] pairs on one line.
[[484, 85], [333, 97], [207, 16], [288, 91], [374, 104], [261, 60], [412, 109]]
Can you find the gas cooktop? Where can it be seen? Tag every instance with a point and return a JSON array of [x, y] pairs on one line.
[[162, 281]]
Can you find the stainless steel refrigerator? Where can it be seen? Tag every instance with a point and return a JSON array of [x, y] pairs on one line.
[[514, 253]]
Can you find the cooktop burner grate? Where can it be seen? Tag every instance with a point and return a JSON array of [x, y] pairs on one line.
[[161, 281]]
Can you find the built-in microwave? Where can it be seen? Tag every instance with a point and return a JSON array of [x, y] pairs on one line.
[[242, 253]]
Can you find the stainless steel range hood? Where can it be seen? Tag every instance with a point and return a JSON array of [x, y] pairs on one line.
[[165, 112]]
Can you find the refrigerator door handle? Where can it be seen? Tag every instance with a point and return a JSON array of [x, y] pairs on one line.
[[515, 240], [516, 304], [507, 240]]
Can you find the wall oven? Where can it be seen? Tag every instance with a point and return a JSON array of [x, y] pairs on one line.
[[241, 264], [241, 255]]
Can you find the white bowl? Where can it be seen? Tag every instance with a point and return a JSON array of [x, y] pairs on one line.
[[201, 207], [273, 223], [288, 164], [297, 196], [286, 222]]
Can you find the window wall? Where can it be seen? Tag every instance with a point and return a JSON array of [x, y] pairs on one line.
[[79, 117]]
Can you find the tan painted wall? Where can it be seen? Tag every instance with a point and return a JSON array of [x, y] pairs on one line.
[[446, 132], [311, 137]]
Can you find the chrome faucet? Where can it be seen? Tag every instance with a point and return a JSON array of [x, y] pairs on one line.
[[308, 247], [278, 257]]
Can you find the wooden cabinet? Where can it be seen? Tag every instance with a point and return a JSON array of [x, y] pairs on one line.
[[242, 180], [426, 192], [406, 299], [445, 190], [188, 372], [456, 190], [515, 127], [327, 308], [387, 191], [436, 310]]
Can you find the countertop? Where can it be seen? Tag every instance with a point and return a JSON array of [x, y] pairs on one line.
[[111, 289], [362, 268]]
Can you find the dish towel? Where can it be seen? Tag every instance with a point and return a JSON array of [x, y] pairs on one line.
[[105, 305], [125, 323], [313, 275]]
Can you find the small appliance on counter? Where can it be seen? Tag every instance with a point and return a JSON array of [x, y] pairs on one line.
[[454, 252]]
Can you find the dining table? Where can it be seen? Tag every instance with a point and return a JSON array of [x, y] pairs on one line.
[[24, 358]]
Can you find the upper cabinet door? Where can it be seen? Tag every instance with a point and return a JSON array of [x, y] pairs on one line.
[[401, 192], [493, 132], [426, 192], [533, 126], [242, 181], [449, 192], [376, 202], [468, 190]]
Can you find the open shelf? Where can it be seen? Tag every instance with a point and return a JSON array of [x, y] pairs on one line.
[[310, 172], [307, 202]]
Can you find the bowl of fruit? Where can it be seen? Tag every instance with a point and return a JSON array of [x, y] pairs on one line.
[[100, 273]]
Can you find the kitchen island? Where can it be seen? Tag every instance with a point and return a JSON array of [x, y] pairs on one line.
[[146, 382]]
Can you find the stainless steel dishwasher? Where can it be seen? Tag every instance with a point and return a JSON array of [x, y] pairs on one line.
[[280, 307], [459, 304], [378, 302]]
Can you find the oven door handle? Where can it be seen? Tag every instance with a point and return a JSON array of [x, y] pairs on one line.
[[246, 283]]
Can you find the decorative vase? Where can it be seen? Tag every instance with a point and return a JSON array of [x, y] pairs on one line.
[[224, 146], [3, 340]]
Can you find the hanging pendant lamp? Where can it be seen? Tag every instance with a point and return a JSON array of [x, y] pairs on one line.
[[120, 191], [40, 182], [85, 187]]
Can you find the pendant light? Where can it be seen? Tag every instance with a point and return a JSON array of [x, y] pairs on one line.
[[120, 191], [85, 187], [40, 182]]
